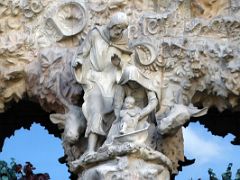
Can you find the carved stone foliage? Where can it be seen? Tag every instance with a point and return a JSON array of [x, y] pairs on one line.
[[235, 6], [13, 60], [208, 9], [165, 56], [17, 50], [42, 83], [9, 13], [194, 64], [31, 7], [50, 82]]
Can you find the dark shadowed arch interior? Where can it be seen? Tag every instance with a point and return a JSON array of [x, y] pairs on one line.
[[221, 123], [22, 115]]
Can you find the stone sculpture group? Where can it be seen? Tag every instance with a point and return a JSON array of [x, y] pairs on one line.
[[128, 121], [122, 76]]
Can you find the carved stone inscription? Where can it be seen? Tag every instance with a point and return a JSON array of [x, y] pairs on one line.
[[122, 76]]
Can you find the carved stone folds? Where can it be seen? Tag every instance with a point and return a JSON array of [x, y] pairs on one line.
[[145, 69]]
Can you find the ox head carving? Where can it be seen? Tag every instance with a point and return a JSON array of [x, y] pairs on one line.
[[177, 117], [72, 121]]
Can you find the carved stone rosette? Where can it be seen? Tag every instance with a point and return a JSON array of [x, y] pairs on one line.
[[126, 84]]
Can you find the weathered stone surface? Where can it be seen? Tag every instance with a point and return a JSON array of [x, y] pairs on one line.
[[127, 168], [209, 9], [80, 60]]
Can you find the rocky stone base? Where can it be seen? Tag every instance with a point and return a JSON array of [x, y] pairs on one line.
[[123, 161], [126, 168]]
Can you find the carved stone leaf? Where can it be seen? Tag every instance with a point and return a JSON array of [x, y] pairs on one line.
[[170, 63], [232, 82], [192, 50], [53, 63], [234, 65], [220, 90], [180, 72]]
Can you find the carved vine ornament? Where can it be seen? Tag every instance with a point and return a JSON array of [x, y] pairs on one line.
[[142, 68]]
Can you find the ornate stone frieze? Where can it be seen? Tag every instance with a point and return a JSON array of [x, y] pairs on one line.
[[122, 76], [31, 8], [66, 19], [208, 9]]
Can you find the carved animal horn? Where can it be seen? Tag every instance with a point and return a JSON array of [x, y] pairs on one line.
[[58, 119], [195, 112]]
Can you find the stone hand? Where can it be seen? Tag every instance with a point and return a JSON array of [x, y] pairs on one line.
[[76, 62], [115, 60], [137, 117]]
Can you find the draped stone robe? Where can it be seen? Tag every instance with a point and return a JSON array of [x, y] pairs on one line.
[[98, 77]]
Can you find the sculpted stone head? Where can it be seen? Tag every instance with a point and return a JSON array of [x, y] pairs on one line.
[[117, 24], [129, 102]]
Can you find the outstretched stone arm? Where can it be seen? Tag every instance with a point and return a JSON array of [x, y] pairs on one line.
[[80, 56], [83, 51], [152, 104], [118, 100]]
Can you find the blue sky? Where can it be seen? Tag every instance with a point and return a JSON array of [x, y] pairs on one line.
[[38, 147], [43, 150], [209, 151]]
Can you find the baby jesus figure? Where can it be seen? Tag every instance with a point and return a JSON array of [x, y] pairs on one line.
[[129, 116]]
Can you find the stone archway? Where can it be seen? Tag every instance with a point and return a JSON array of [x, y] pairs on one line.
[[173, 50], [22, 115], [222, 123]]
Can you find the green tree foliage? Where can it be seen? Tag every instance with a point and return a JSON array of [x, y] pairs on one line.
[[15, 171], [6, 172], [227, 175]]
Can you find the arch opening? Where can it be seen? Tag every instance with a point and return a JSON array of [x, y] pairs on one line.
[[37, 147], [208, 151], [27, 134], [211, 141], [23, 115]]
